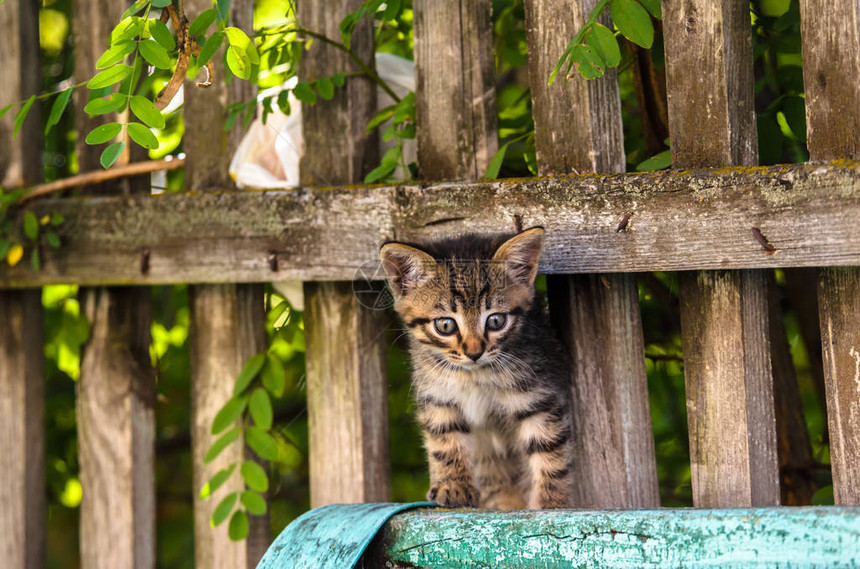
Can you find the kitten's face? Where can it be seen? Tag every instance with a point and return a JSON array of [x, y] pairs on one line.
[[464, 311]]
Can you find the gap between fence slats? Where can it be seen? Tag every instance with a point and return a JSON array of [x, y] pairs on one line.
[[831, 65], [730, 405], [22, 379], [346, 362], [578, 130]]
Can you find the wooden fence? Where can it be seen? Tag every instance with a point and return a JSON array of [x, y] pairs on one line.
[[713, 216]]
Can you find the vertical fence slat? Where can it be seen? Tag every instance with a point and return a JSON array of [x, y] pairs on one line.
[[22, 382], [116, 390], [346, 365], [724, 317], [831, 66], [578, 129], [227, 321], [455, 89]]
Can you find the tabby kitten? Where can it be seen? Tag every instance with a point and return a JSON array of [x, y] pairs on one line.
[[490, 377]]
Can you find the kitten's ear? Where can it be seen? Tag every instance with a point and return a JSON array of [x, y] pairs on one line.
[[405, 266], [521, 254]]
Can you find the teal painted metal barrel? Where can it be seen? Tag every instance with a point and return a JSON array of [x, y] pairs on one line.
[[334, 537]]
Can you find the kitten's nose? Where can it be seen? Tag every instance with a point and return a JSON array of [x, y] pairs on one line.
[[474, 357]]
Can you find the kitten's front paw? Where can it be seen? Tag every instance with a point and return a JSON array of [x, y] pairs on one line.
[[453, 494]]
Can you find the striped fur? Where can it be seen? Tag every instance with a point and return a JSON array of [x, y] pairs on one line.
[[493, 403]]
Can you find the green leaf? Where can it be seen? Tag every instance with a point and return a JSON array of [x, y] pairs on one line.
[[210, 47], [221, 443], [126, 86], [381, 117], [255, 476], [127, 29], [588, 62], [238, 62], [223, 7], [338, 79], [60, 104], [146, 111], [223, 509], [249, 372], [253, 502], [57, 219], [154, 54], [276, 312], [31, 226], [392, 8], [304, 93], [217, 481], [102, 106], [142, 135], [238, 528], [496, 163], [53, 239], [161, 34], [274, 377], [35, 263], [4, 248], [261, 443], [633, 21], [22, 114], [134, 9], [103, 133], [161, 3], [5, 110], [261, 408], [228, 414], [116, 53], [325, 87], [794, 109], [202, 22], [602, 40], [381, 172], [657, 162], [109, 76], [240, 40], [111, 154], [653, 6], [284, 102]]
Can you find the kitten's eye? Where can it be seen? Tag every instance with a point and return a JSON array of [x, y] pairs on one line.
[[445, 326], [496, 321]]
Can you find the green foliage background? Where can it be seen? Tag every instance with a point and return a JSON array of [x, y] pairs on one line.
[[779, 100]]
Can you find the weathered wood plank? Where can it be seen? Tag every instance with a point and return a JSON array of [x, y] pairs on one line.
[[227, 321], [831, 64], [346, 365], [22, 381], [455, 103], [558, 539], [680, 221], [724, 316], [578, 130], [116, 390]]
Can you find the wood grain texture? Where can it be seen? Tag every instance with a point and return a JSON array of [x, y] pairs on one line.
[[831, 64], [346, 366], [22, 378], [700, 219], [729, 389], [724, 315], [116, 390], [228, 322], [455, 89], [227, 328], [577, 122], [614, 460], [22, 430], [578, 130], [561, 539], [347, 397], [709, 77]]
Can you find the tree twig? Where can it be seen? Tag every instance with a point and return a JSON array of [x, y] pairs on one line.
[[99, 176]]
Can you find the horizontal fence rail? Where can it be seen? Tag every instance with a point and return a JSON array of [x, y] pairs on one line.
[[763, 537], [727, 218]]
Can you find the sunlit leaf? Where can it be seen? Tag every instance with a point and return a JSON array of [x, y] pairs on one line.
[[111, 154], [143, 136], [255, 476], [127, 29], [13, 257], [146, 111], [103, 133], [161, 34], [240, 40], [116, 53], [633, 21], [109, 76], [238, 62], [102, 106], [154, 54]]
